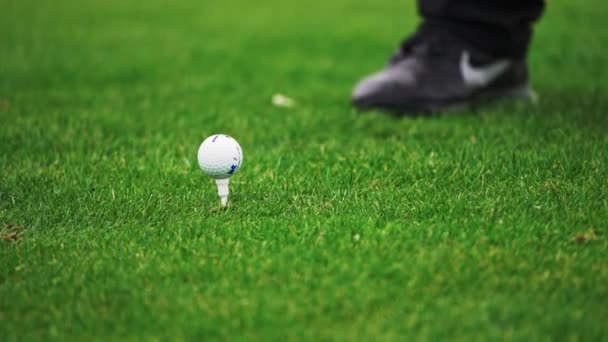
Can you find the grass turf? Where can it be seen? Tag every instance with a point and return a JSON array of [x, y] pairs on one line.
[[478, 225]]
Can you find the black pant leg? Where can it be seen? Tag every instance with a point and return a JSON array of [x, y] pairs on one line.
[[500, 27]]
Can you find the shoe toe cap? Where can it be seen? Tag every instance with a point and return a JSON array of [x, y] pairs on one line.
[[380, 87], [368, 87]]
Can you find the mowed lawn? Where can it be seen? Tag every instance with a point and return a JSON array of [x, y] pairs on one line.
[[484, 224]]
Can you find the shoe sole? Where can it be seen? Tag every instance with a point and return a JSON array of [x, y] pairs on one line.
[[520, 93]]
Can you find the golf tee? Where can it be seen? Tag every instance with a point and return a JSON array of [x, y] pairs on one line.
[[222, 190]]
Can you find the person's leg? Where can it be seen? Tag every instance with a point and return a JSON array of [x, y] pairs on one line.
[[464, 52], [502, 28]]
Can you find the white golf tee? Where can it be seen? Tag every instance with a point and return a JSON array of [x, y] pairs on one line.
[[222, 190]]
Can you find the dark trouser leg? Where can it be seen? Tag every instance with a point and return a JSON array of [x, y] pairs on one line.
[[502, 28]]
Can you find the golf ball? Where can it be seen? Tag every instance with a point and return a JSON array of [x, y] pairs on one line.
[[220, 156]]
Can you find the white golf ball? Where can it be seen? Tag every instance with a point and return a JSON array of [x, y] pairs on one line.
[[220, 156]]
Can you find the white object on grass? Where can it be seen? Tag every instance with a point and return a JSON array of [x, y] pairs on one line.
[[220, 157], [281, 100]]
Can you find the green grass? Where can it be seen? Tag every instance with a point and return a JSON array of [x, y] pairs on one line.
[[477, 225]]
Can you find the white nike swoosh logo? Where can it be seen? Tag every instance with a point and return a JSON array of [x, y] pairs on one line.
[[481, 76]]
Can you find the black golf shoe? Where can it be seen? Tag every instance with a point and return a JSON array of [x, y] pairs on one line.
[[432, 72]]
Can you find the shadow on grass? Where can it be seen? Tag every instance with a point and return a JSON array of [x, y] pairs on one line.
[[565, 107]]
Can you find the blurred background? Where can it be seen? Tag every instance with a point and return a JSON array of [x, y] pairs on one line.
[[243, 52]]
